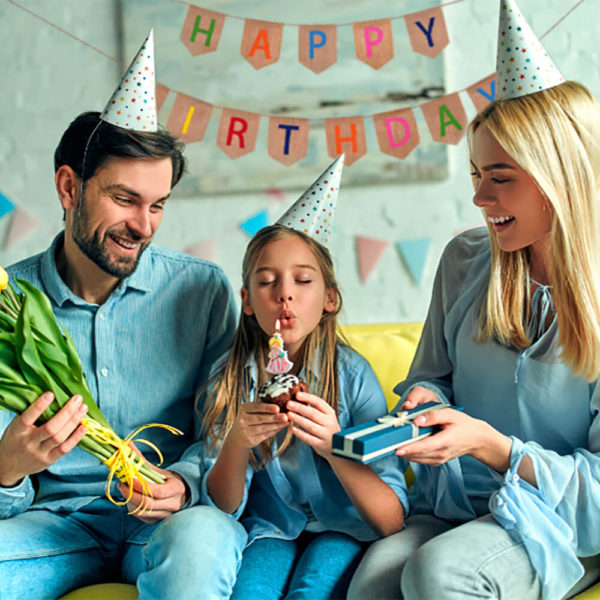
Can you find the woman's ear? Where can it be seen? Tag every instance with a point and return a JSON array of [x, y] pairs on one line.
[[331, 300], [68, 186], [248, 310]]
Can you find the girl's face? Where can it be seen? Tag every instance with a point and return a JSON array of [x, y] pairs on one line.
[[287, 284], [510, 199]]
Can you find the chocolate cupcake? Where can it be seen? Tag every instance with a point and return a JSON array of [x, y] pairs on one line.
[[281, 388]]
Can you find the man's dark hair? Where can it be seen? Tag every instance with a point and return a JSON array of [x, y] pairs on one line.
[[104, 141]]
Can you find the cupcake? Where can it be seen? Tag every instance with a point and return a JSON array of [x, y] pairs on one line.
[[281, 388]]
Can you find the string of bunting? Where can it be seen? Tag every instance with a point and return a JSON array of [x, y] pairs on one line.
[[317, 44]]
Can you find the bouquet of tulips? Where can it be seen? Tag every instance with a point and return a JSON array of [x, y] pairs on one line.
[[38, 355]]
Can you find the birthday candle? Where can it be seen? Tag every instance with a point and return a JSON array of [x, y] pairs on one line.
[[278, 357]]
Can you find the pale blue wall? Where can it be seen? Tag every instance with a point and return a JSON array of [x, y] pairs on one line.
[[47, 78]]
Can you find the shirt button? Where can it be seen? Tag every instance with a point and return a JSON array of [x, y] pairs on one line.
[[277, 532], [515, 477], [101, 316], [104, 372]]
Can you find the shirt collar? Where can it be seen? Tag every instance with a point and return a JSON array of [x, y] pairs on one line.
[[59, 291]]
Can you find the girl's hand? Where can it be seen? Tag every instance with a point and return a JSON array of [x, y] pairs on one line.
[[459, 434], [255, 423], [314, 422], [419, 395]]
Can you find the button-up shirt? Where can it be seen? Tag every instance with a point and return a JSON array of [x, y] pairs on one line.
[[145, 352]]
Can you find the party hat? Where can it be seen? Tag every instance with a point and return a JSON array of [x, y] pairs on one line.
[[522, 64], [133, 104], [313, 212]]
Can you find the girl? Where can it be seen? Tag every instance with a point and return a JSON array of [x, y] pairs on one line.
[[307, 512], [513, 336]]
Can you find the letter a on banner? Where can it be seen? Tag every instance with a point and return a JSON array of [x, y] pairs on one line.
[[189, 118], [446, 118], [397, 132], [483, 92], [427, 31], [373, 42], [202, 30], [237, 132], [261, 42], [346, 135], [317, 46], [288, 139]]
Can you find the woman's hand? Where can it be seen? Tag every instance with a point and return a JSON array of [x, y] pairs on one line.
[[255, 423], [419, 395], [458, 434], [313, 421]]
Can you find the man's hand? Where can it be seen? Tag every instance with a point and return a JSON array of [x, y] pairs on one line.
[[26, 449], [167, 498]]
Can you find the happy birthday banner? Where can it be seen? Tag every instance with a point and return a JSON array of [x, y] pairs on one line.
[[317, 44], [396, 130]]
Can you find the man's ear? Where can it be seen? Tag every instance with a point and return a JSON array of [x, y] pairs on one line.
[[68, 186], [331, 300], [248, 310]]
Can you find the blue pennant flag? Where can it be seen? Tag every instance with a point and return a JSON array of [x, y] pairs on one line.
[[255, 223], [414, 254], [6, 206]]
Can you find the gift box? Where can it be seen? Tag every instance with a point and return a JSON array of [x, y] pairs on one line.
[[375, 439]]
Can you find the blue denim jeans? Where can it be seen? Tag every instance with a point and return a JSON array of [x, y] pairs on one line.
[[315, 566], [194, 553], [433, 558]]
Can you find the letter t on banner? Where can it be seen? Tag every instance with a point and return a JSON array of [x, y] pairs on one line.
[[373, 42], [317, 46], [261, 42], [427, 31], [202, 30], [288, 139]]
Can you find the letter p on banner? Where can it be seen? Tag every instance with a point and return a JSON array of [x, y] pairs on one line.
[[373, 42], [202, 30]]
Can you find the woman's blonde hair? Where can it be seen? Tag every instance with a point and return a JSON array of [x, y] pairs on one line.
[[231, 386], [554, 135]]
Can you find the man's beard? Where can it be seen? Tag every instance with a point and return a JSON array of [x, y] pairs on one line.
[[95, 248]]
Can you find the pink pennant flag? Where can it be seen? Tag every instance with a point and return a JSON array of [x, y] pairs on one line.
[[206, 249], [373, 42], [237, 133], [162, 91], [427, 31], [446, 118], [22, 223], [317, 46], [288, 139], [189, 118], [397, 132], [202, 30], [346, 135], [483, 92], [369, 252], [261, 42]]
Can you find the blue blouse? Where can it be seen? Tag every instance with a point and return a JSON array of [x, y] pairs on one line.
[[145, 352], [283, 498], [530, 395]]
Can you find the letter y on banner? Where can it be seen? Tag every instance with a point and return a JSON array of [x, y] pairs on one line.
[[427, 31]]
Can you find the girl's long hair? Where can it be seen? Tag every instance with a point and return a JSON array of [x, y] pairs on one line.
[[231, 386], [554, 135]]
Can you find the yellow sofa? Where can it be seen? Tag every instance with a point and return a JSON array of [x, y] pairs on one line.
[[390, 349]]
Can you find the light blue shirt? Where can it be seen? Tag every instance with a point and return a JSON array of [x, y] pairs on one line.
[[145, 352], [530, 395], [279, 503]]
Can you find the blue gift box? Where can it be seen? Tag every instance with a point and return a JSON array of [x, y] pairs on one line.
[[381, 437]]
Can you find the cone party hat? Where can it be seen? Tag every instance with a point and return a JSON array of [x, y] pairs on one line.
[[522, 65], [314, 211], [133, 104]]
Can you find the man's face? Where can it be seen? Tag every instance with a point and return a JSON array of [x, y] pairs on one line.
[[120, 210]]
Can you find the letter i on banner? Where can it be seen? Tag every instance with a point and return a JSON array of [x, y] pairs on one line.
[[238, 130], [288, 139], [397, 132], [427, 31], [261, 42], [483, 92], [346, 135], [373, 42], [201, 30], [446, 119], [189, 118], [317, 46]]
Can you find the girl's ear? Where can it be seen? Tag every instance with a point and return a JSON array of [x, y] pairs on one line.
[[331, 300], [67, 186], [248, 310]]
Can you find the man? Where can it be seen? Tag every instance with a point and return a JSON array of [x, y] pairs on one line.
[[148, 324]]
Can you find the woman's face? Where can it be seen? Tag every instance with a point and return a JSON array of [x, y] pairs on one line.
[[510, 199], [287, 284]]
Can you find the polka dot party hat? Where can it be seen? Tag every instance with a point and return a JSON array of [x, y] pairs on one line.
[[313, 212], [133, 105], [522, 64]]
